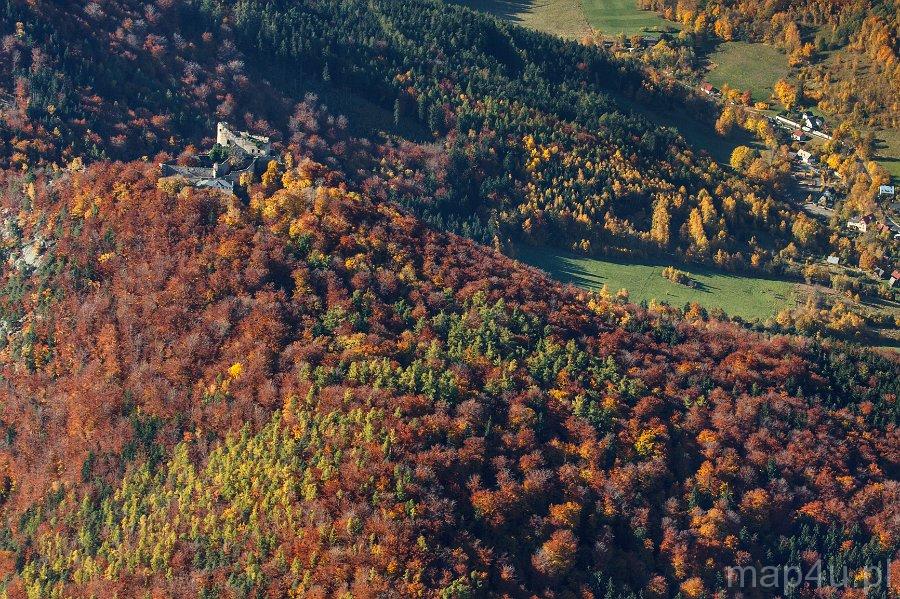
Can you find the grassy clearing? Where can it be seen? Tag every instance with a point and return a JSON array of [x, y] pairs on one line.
[[887, 144], [612, 17], [747, 66], [559, 17], [747, 297]]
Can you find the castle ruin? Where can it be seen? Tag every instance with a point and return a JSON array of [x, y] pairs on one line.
[[246, 153], [242, 141]]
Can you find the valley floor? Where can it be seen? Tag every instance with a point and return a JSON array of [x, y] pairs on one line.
[[748, 297], [753, 66]]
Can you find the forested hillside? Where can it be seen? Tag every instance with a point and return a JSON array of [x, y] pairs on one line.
[[531, 145], [120, 80], [315, 395], [307, 390]]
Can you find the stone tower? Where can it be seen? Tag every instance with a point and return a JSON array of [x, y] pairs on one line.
[[223, 134]]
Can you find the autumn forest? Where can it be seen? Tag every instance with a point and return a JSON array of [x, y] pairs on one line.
[[331, 381]]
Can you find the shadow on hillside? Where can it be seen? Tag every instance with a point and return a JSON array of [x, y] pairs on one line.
[[699, 135], [509, 10], [567, 271], [887, 159]]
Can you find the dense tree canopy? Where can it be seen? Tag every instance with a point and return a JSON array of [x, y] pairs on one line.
[[536, 140], [306, 390], [316, 394]]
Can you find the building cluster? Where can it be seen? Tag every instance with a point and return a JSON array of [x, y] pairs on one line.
[[817, 184], [802, 127], [812, 177], [881, 272], [887, 270], [868, 222], [236, 153]]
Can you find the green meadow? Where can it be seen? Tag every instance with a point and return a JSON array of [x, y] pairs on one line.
[[560, 17], [748, 297], [887, 148], [612, 17], [748, 66]]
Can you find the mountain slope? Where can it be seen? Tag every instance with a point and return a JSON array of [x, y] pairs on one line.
[[534, 137], [316, 394]]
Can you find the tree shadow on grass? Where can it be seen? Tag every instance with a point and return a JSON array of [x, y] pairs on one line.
[[879, 303], [567, 271], [701, 286], [509, 10], [889, 160]]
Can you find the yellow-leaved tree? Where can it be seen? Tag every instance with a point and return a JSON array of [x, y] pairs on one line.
[[659, 229], [741, 156], [786, 93], [697, 233]]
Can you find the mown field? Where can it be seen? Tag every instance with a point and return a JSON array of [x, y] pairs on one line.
[[559, 17], [747, 297], [747, 66], [612, 17]]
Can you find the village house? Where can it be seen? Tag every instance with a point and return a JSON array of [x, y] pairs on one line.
[[708, 89], [886, 191], [812, 122], [638, 42], [826, 200], [798, 135], [895, 277], [861, 223], [834, 260], [806, 157]]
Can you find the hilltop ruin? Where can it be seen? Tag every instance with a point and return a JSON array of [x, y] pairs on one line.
[[235, 154]]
